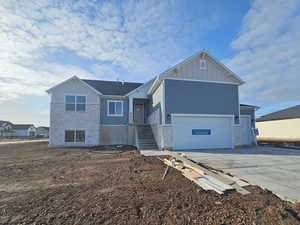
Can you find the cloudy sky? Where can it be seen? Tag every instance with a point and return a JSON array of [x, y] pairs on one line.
[[44, 42]]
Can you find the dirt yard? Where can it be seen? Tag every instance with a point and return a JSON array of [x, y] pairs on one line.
[[102, 186]]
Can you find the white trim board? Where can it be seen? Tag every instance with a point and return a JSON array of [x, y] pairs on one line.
[[205, 81], [114, 125], [201, 115], [80, 95], [114, 96], [231, 141], [198, 54], [246, 116], [144, 84], [73, 78], [115, 101]]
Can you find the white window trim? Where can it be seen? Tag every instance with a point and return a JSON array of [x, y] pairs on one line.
[[122, 108], [76, 95], [75, 142]]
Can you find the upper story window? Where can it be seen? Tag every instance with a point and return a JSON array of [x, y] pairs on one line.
[[75, 103], [114, 108]]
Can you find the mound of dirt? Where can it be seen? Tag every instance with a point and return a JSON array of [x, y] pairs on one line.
[[39, 185]]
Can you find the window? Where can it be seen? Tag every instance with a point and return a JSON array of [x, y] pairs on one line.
[[74, 136], [69, 136], [114, 108], [75, 103], [202, 63], [80, 136]]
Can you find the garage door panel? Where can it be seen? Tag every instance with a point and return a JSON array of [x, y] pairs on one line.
[[220, 132]]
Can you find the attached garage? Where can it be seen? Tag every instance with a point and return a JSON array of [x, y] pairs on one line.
[[191, 131]]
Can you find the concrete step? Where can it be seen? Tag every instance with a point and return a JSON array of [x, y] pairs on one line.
[[147, 143], [148, 148], [145, 138], [153, 146], [149, 135]]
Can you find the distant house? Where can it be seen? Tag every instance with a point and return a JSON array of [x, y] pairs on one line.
[[23, 130], [283, 125], [42, 131], [5, 128]]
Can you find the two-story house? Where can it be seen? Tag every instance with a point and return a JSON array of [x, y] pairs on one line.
[[193, 105]]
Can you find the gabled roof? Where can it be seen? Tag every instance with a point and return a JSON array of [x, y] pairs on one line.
[[73, 78], [112, 87], [4, 123], [103, 87], [289, 113], [22, 126], [140, 87], [189, 59], [249, 106], [46, 128]]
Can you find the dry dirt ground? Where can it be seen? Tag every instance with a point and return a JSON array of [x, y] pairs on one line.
[[39, 185]]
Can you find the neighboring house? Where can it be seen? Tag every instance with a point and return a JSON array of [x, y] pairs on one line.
[[23, 130], [5, 128], [193, 105], [283, 125], [42, 131]]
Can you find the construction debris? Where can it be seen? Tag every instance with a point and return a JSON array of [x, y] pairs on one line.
[[165, 173], [205, 178]]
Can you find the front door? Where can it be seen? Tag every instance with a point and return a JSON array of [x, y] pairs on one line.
[[138, 113]]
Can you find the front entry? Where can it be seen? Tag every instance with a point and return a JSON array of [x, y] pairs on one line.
[[139, 113]]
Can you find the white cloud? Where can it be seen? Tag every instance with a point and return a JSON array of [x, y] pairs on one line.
[[105, 72], [268, 53], [132, 35]]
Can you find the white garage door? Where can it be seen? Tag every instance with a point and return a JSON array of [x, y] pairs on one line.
[[200, 132], [246, 136]]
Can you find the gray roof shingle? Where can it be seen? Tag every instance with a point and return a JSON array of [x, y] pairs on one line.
[[289, 113], [112, 87], [22, 126], [253, 106], [3, 123]]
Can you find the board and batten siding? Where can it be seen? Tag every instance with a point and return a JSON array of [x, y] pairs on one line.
[[195, 97], [156, 106], [191, 70], [155, 110], [60, 120]]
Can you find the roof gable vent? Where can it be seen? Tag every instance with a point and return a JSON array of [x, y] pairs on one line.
[[202, 64]]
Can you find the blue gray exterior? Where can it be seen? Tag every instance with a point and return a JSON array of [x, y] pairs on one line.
[[190, 97], [251, 112], [113, 120], [156, 108], [146, 107]]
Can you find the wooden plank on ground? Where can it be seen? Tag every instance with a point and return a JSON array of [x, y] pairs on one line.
[[191, 164], [222, 179]]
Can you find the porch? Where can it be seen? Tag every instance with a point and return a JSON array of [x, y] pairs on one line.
[[138, 111]]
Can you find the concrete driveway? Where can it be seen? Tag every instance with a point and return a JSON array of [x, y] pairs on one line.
[[276, 169], [23, 142]]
